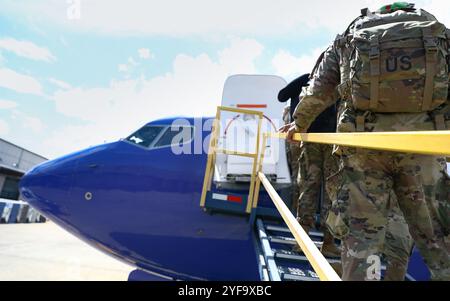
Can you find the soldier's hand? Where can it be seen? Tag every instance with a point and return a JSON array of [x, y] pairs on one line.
[[285, 128], [291, 130]]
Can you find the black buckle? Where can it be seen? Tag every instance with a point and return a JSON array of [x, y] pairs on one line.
[[430, 44]]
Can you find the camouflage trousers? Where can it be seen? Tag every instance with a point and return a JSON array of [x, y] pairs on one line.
[[369, 177], [398, 243], [293, 155], [316, 164]]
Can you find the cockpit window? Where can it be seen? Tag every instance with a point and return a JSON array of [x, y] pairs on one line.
[[175, 136], [146, 135], [154, 136]]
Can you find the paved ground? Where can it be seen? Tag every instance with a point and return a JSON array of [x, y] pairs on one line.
[[46, 252]]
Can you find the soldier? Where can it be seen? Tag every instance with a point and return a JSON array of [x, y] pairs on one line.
[[317, 163], [292, 92], [311, 164], [386, 84]]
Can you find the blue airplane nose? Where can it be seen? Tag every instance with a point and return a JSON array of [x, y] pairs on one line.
[[46, 187]]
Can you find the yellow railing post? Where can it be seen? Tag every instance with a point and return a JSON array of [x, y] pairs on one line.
[[255, 166], [260, 169]]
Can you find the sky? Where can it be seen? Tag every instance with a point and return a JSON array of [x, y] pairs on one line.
[[77, 73]]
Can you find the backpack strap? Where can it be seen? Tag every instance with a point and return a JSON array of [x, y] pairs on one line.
[[439, 122], [375, 72], [316, 66], [448, 46], [431, 52], [360, 121]]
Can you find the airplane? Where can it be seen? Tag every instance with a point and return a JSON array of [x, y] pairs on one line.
[[138, 199]]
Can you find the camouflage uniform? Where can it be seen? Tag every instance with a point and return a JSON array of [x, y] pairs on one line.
[[442, 204], [293, 154], [371, 175], [317, 163]]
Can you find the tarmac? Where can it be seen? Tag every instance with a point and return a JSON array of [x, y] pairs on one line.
[[45, 252]]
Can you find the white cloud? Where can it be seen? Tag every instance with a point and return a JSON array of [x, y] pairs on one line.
[[288, 65], [18, 82], [172, 17], [192, 88], [31, 123], [59, 83], [128, 66], [26, 49], [145, 54], [7, 104], [122, 67]]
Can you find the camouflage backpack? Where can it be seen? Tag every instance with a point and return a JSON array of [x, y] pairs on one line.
[[396, 61]]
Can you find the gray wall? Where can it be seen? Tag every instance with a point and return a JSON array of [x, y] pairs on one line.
[[14, 156], [17, 159]]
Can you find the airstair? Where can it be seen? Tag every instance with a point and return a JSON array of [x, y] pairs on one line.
[[277, 260]]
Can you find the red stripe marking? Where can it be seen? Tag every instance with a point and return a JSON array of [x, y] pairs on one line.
[[234, 199], [252, 106]]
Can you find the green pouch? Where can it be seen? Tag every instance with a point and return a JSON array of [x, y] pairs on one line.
[[336, 224]]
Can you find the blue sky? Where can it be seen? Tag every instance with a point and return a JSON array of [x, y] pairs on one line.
[[67, 82]]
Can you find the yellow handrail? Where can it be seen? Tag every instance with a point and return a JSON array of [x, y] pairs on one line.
[[429, 143], [315, 258], [240, 111]]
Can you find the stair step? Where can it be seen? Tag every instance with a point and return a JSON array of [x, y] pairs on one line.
[[294, 256], [296, 274], [286, 230], [271, 266], [289, 241]]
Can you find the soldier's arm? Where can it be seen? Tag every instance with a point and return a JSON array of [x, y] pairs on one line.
[[321, 92]]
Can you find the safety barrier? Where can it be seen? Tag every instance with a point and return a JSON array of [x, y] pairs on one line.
[[12, 212]]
